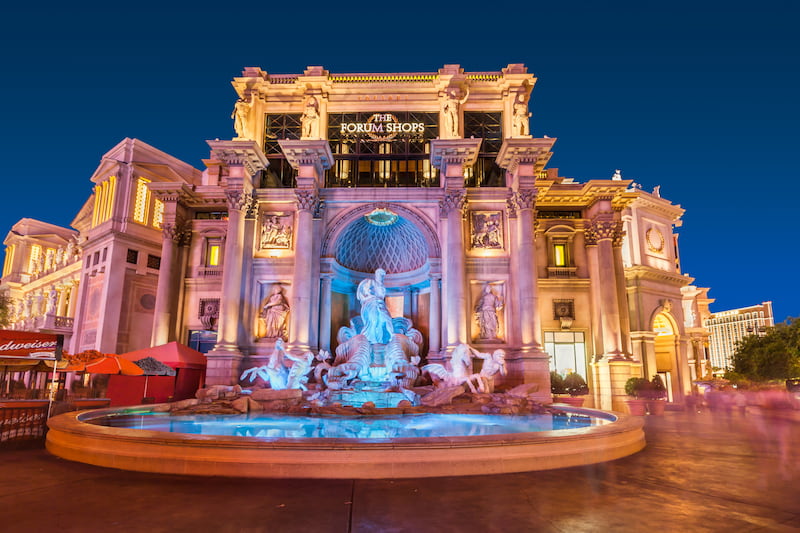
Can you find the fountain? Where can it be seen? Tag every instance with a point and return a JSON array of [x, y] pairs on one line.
[[366, 416]]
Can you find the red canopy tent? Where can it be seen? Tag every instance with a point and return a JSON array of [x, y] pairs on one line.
[[189, 365]]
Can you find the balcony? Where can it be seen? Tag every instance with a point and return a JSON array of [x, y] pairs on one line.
[[562, 272]]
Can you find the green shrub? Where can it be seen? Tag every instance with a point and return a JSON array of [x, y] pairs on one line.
[[637, 387], [575, 385], [557, 383]]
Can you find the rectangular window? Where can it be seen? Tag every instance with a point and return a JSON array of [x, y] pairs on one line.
[[141, 201], [153, 261], [567, 351], [132, 256], [158, 213], [560, 255], [213, 253]]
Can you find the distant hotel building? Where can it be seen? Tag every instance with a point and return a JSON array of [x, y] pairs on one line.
[[432, 176], [729, 327]]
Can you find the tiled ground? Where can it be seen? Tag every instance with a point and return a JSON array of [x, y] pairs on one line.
[[698, 473]]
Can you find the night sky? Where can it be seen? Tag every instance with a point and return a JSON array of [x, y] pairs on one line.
[[699, 98]]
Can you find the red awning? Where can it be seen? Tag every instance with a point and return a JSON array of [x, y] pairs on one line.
[[173, 354]]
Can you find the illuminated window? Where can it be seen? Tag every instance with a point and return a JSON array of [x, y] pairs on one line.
[[9, 262], [213, 252], [36, 255], [104, 200], [158, 213], [567, 351], [560, 255], [141, 201]]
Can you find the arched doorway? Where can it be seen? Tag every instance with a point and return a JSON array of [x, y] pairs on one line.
[[666, 348]]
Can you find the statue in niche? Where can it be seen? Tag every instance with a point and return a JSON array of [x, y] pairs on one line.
[[275, 313], [275, 234], [486, 314], [239, 115], [371, 294], [519, 119], [309, 122], [449, 110]]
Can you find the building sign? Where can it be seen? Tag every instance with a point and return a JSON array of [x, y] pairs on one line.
[[382, 127], [30, 345]]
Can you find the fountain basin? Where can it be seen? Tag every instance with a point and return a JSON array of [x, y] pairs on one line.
[[72, 437]]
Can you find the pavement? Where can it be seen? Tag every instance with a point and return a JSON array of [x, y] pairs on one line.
[[699, 472]]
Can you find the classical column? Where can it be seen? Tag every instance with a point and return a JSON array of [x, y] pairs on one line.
[[435, 318], [162, 316], [523, 159], [604, 229], [248, 295], [451, 156], [243, 159], [310, 158], [325, 312], [527, 273]]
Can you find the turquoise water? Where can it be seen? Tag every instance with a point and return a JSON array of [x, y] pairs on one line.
[[280, 426]]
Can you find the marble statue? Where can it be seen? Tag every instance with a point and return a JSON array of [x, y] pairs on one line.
[[519, 118], [377, 322], [449, 112], [239, 115], [52, 301], [493, 364], [298, 373], [486, 310], [275, 313], [309, 122], [275, 372], [459, 371]]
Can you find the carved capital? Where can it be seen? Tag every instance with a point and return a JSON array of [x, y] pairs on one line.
[[602, 230], [170, 231], [511, 204], [237, 199], [524, 199], [251, 208], [455, 199], [307, 200]]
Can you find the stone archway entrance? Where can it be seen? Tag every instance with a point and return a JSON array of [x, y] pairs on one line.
[[388, 238], [666, 351]]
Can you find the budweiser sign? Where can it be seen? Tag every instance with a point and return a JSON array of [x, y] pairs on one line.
[[30, 345]]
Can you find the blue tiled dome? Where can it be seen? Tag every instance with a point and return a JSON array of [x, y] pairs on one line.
[[396, 247]]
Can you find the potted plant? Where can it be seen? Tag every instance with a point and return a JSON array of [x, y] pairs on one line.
[[657, 396], [637, 389], [556, 384], [576, 387]]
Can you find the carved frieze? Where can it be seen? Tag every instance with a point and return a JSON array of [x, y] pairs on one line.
[[486, 230], [276, 230], [209, 313]]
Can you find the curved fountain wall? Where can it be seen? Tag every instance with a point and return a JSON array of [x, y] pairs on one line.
[[154, 451]]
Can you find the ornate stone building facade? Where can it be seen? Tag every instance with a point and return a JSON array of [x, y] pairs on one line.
[[433, 177]]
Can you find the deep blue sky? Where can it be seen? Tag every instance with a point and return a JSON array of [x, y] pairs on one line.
[[698, 97]]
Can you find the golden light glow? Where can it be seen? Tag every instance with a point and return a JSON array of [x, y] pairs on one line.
[[158, 213], [213, 255], [104, 200], [662, 325], [560, 255], [141, 201], [8, 264]]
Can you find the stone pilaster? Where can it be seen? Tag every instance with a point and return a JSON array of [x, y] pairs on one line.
[[311, 158], [243, 159], [451, 156]]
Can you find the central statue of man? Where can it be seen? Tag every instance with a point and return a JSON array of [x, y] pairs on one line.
[[377, 321]]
